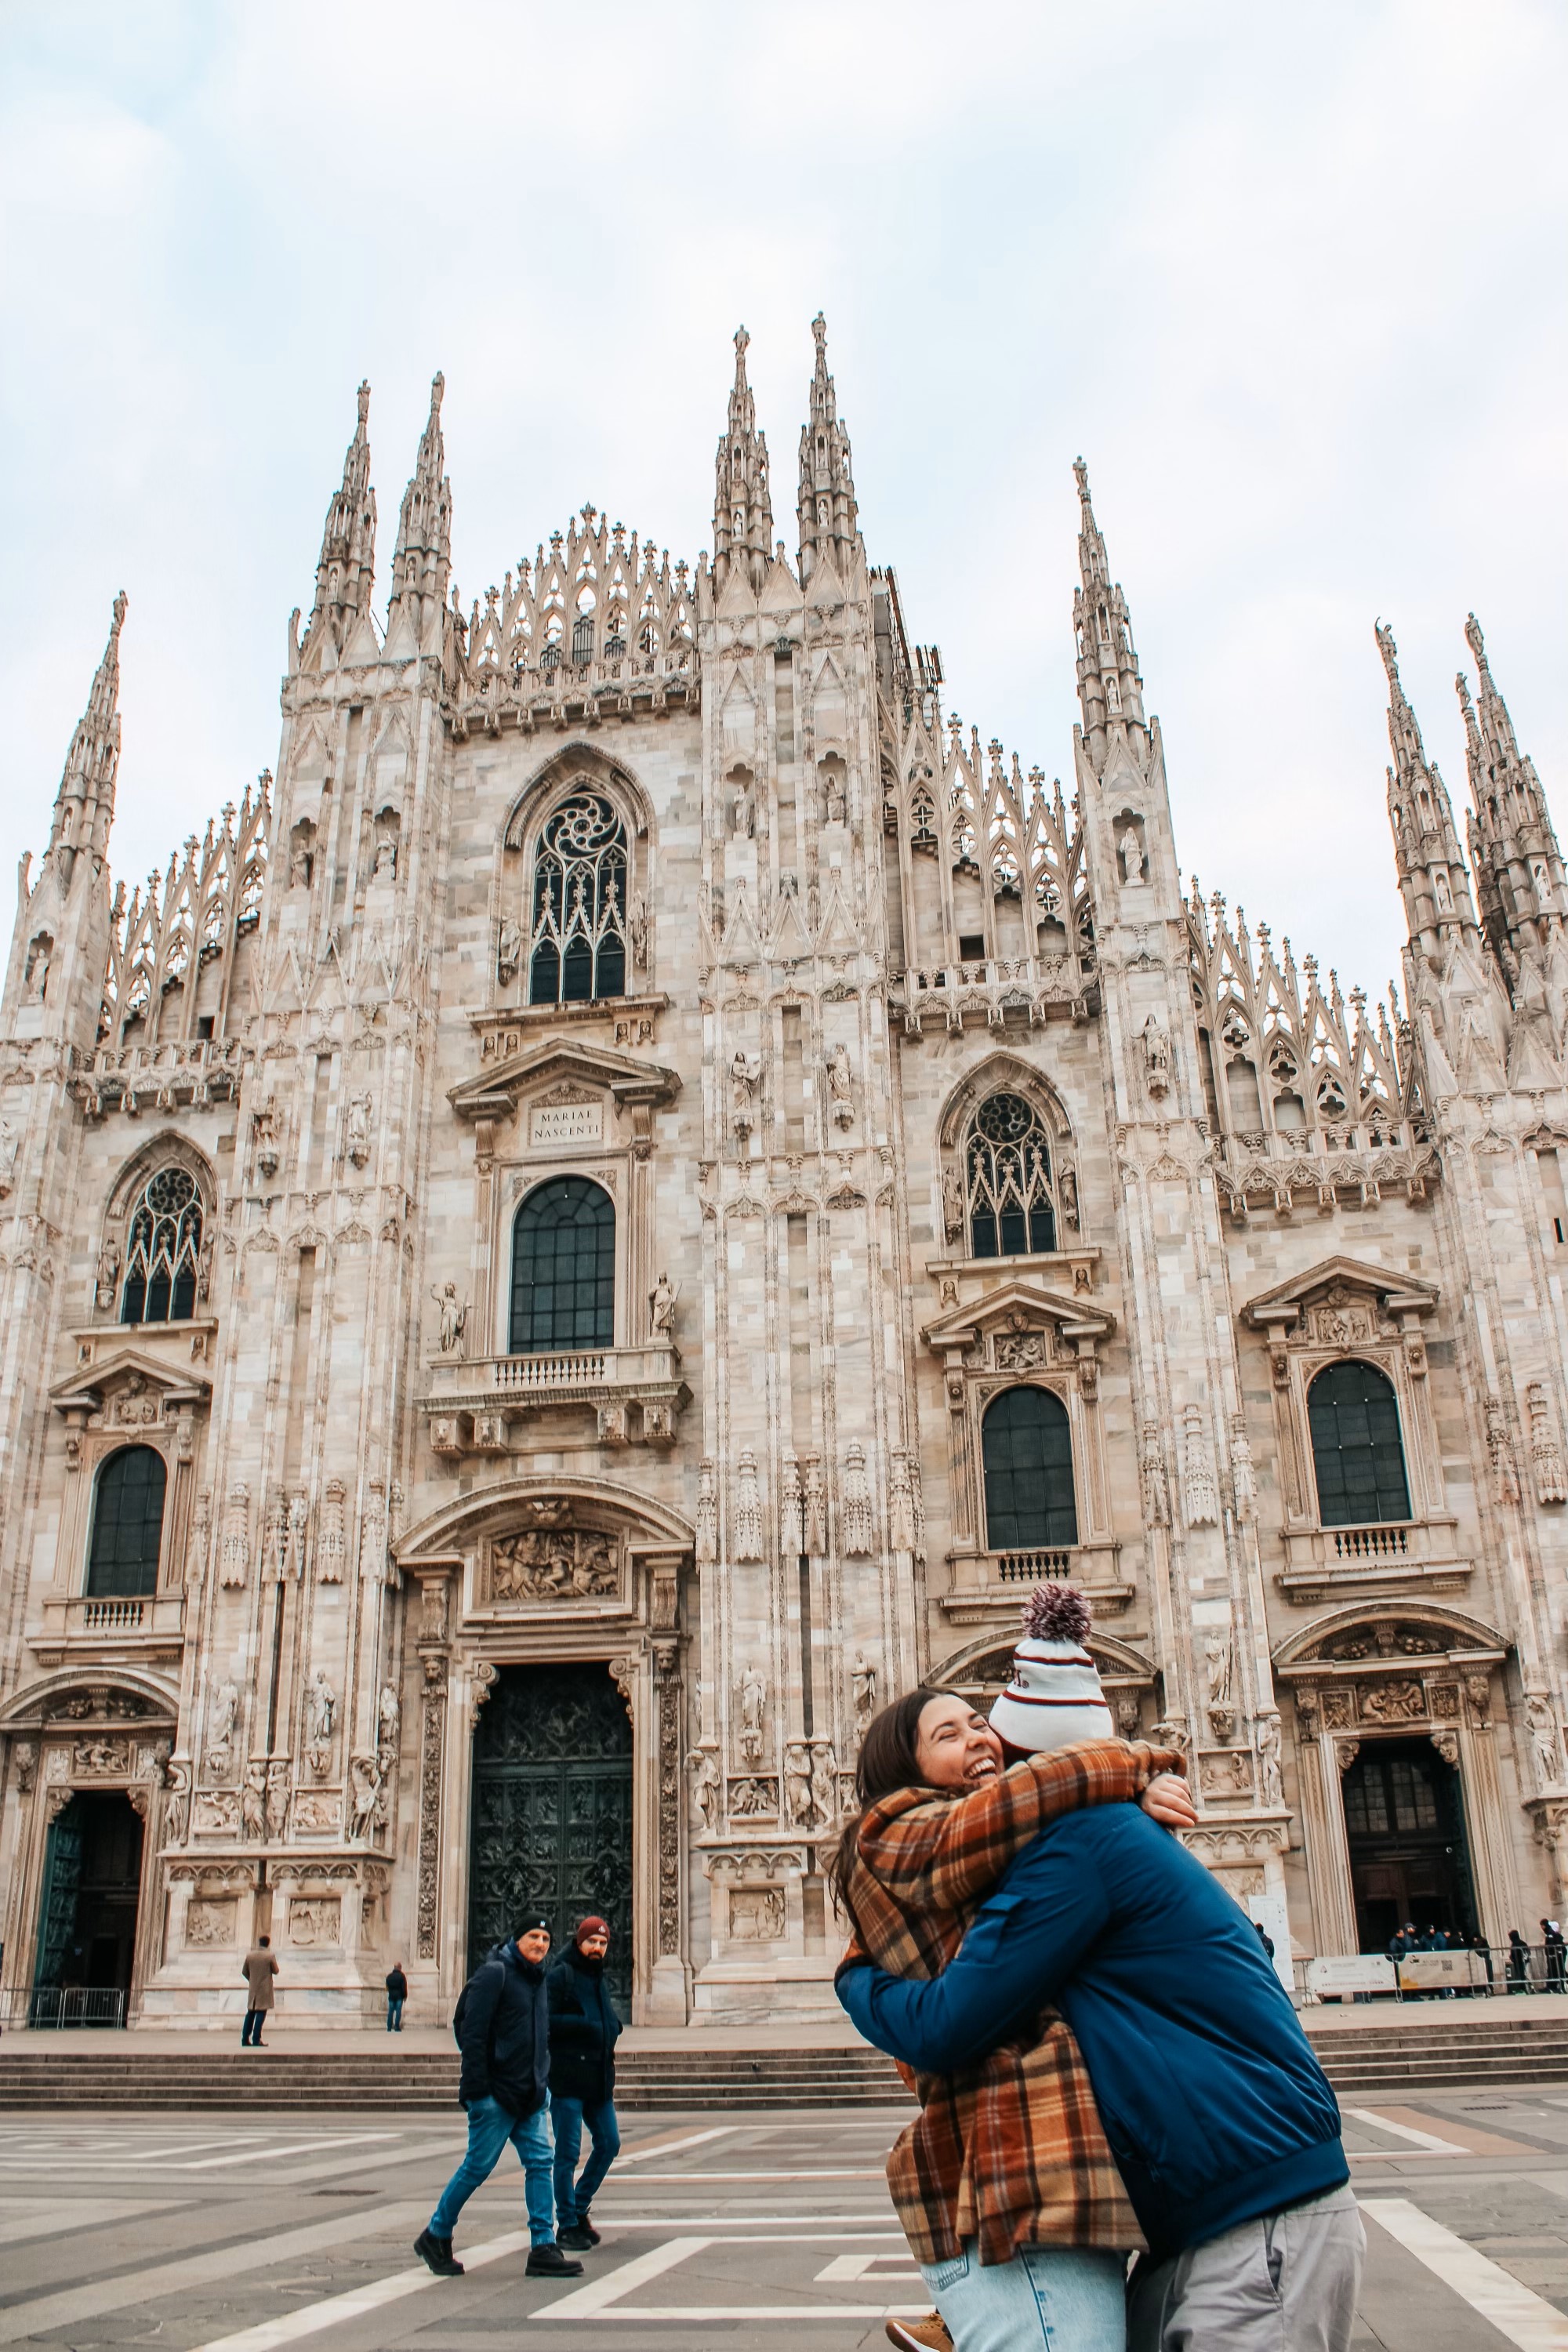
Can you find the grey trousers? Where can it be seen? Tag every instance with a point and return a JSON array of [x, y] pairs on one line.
[[1285, 2282]]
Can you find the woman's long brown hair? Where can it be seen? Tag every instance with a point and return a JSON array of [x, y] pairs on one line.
[[887, 1760]]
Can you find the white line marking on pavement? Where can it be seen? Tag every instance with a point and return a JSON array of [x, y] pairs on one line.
[[588, 2302], [688, 2313], [845, 2267], [46, 2217], [1428, 2140], [1526, 2320], [820, 2173], [69, 2308], [668, 2147], [295, 2147], [334, 2309], [739, 2220]]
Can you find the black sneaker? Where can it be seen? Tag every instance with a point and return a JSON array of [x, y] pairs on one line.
[[580, 2236], [437, 2255], [549, 2261]]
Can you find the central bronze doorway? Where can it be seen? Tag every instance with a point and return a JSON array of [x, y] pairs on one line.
[[1405, 1823]]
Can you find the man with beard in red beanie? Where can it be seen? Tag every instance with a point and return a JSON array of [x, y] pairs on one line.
[[583, 2031]]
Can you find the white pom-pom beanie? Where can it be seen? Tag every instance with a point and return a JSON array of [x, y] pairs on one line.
[[1055, 1696]]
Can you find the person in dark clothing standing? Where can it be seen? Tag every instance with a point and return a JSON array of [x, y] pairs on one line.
[[503, 2032], [396, 1994], [1556, 1949], [261, 1967], [583, 2031], [1517, 1962]]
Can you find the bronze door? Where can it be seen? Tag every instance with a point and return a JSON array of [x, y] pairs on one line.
[[553, 1811]]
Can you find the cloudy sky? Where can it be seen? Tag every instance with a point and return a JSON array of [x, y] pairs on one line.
[[1290, 278]]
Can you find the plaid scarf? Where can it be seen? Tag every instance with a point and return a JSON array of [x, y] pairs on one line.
[[1011, 2151]]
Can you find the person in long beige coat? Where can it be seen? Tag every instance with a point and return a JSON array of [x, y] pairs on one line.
[[261, 1967]]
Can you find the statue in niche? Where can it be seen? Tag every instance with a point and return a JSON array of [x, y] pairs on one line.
[[863, 1689], [453, 1317], [509, 954], [1545, 1741], [1132, 857], [952, 1202], [298, 867], [320, 1714], [368, 1796], [661, 1308], [824, 1785], [636, 929], [743, 809], [10, 1143], [706, 1786], [388, 1717], [386, 867], [1271, 1785], [225, 1714], [357, 1130], [278, 1794], [797, 1784], [1156, 1055], [833, 797], [38, 973], [753, 1700], [253, 1801]]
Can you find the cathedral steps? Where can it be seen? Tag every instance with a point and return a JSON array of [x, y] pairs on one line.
[[1415, 2050]]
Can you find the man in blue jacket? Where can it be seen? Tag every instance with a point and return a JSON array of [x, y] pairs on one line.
[[503, 2026], [1221, 2120]]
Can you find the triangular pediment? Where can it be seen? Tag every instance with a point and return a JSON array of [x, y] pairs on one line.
[[1400, 1290], [130, 1366], [1029, 1302], [556, 1060]]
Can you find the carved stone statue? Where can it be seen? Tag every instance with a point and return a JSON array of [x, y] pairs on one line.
[[707, 1788], [10, 1143], [388, 1718], [952, 1202], [743, 809], [320, 1714], [298, 867], [225, 1714], [833, 797], [797, 1785], [1271, 1788], [1545, 1741], [636, 929], [661, 1308], [841, 1087], [824, 1785], [1132, 857], [366, 1796], [108, 1271], [753, 1701], [1157, 1056], [745, 1076], [356, 1133], [509, 953], [863, 1689], [385, 868], [858, 1526], [454, 1318], [253, 1801], [746, 1521], [277, 1794]]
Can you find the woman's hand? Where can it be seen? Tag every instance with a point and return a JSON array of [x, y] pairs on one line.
[[1168, 1800]]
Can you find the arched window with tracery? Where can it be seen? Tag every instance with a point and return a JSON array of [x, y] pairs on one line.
[[563, 1268], [127, 1525], [1007, 1180], [577, 947], [1026, 1444], [162, 1250], [1358, 1453]]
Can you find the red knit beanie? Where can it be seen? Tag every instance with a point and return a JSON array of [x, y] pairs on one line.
[[591, 1926]]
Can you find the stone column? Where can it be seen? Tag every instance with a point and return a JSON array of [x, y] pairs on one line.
[[670, 1990], [1319, 1765]]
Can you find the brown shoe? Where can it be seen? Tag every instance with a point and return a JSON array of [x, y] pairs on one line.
[[927, 2334]]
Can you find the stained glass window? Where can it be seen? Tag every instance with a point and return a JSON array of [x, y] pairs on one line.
[[1007, 1174], [162, 1249], [578, 943]]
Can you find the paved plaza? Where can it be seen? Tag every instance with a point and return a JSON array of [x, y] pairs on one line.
[[772, 2229]]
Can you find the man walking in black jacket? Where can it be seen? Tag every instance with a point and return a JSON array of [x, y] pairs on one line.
[[503, 2032], [583, 2031]]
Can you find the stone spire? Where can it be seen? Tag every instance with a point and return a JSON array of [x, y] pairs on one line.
[[827, 506], [422, 565], [346, 569], [1109, 687], [743, 505], [84, 805], [1433, 881], [1519, 867]]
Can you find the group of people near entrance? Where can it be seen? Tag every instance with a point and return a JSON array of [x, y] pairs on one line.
[[1124, 2142]]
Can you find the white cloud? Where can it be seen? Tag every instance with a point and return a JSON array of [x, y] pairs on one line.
[[1289, 279]]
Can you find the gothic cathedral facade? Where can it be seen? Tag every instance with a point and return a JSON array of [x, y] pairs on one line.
[[628, 1203]]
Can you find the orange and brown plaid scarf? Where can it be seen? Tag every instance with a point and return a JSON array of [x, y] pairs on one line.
[[1012, 2151]]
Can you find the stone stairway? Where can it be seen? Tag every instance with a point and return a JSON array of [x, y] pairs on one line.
[[1415, 2050]]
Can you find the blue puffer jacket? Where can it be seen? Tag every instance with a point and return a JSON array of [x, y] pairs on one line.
[[1213, 2103]]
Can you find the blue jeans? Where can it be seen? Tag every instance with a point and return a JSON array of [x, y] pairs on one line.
[[250, 2031], [572, 2198], [1061, 2298], [393, 2014], [491, 2126]]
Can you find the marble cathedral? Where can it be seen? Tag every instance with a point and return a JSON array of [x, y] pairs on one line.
[[639, 1192]]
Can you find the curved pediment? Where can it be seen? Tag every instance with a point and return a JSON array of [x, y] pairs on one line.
[[497, 1092], [514, 1505], [128, 1696], [1393, 1635]]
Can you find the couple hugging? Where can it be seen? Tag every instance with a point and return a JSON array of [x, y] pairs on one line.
[[1106, 2062]]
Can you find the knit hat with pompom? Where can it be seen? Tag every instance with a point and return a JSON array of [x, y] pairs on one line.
[[1054, 1698]]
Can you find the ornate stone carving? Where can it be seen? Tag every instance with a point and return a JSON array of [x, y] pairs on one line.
[[1499, 1450], [797, 1785], [666, 1657], [321, 1715], [752, 1795], [1271, 1783], [753, 1699], [1545, 1742], [217, 1813], [331, 1543], [824, 1785], [1545, 1449], [555, 1564], [482, 1682], [315, 1920], [863, 1694], [856, 1520], [840, 1087], [94, 1759], [235, 1552], [451, 1319], [1392, 1701], [1151, 1478], [756, 1914], [1242, 1476], [275, 1809], [200, 1541], [1447, 1743], [25, 1761], [746, 1519], [706, 1546], [1345, 1753], [1199, 1485], [210, 1921], [1219, 1668], [1156, 1058], [745, 1076], [432, 1743], [814, 1504], [372, 1559], [706, 1786]]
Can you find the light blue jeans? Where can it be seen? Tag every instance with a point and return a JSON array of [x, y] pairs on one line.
[[1059, 2298], [491, 2126], [574, 2191]]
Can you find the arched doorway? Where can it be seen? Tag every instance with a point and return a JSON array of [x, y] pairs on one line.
[[1405, 1824], [86, 1920], [552, 1820]]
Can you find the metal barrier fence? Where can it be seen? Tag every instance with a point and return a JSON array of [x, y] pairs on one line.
[[42, 2007], [1472, 1973]]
